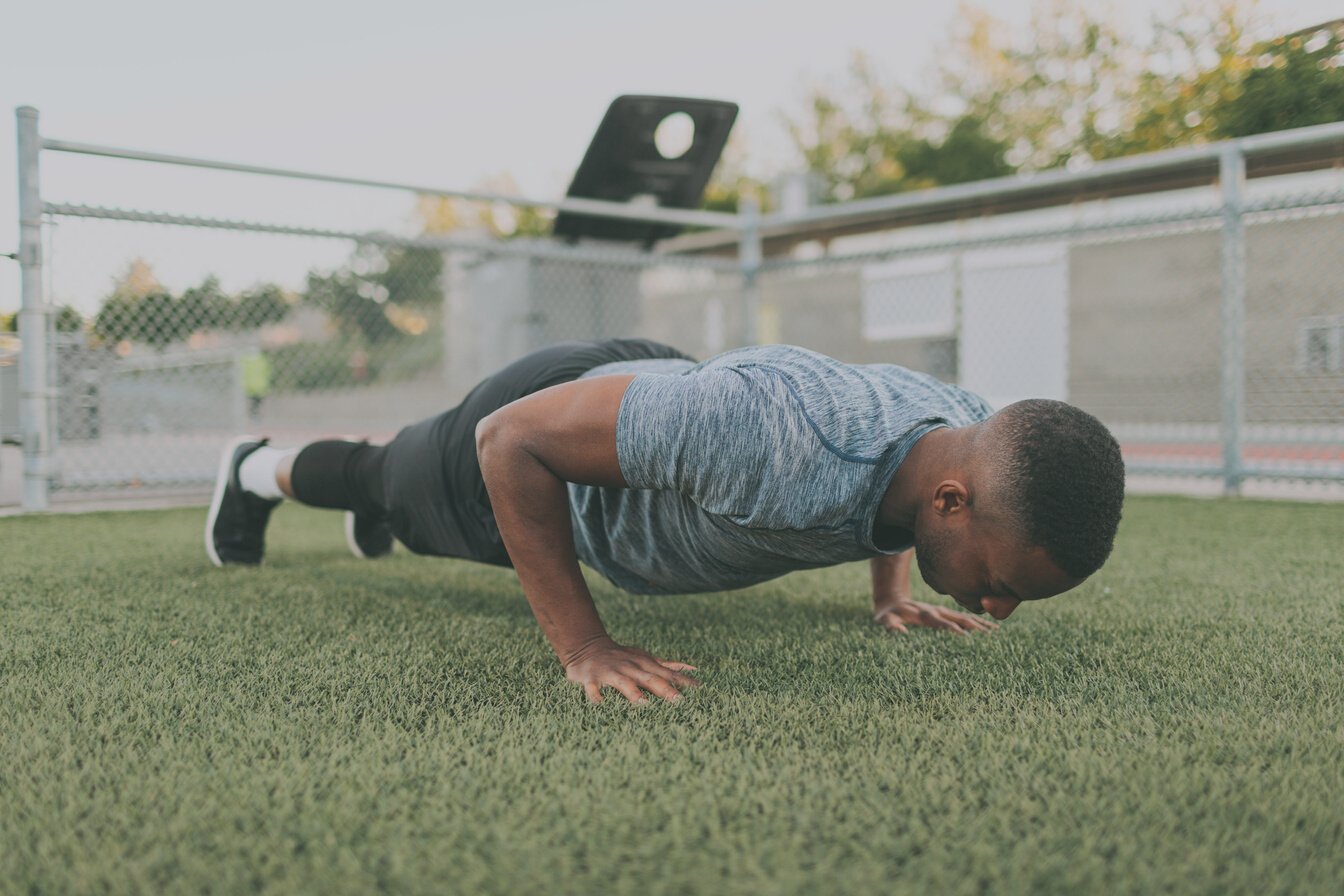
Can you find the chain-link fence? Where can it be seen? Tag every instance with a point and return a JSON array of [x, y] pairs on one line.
[[148, 387], [1205, 326]]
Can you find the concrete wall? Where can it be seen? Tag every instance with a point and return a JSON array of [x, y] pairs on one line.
[[1145, 324], [1144, 330], [1295, 271]]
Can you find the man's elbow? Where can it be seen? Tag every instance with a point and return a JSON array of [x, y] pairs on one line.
[[492, 436]]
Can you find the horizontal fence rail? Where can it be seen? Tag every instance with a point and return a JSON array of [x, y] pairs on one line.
[[635, 212]]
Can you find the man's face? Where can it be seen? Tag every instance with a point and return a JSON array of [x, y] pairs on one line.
[[983, 568]]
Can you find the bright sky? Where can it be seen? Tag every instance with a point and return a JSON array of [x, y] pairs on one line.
[[444, 94]]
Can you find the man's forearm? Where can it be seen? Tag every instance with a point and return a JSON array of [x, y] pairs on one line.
[[891, 579], [530, 450], [531, 506]]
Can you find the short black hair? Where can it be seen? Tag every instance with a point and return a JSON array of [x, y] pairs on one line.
[[1063, 480]]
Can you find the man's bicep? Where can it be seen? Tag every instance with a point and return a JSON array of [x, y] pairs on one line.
[[570, 429]]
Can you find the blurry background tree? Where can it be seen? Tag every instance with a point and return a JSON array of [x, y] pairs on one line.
[[376, 302], [851, 138], [1073, 88], [67, 320], [730, 181], [140, 309], [1294, 81], [257, 307], [440, 215], [207, 306], [1052, 95], [132, 311], [1194, 64], [354, 303], [382, 294]]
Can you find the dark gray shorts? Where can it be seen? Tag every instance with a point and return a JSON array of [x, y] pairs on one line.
[[436, 499]]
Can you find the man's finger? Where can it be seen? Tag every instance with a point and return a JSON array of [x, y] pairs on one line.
[[892, 623], [966, 620], [593, 690], [972, 623], [629, 689], [685, 681], [659, 687], [675, 666], [668, 672]]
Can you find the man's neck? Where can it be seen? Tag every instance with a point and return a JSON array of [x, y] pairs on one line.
[[935, 454]]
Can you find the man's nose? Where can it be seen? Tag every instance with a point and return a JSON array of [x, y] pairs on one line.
[[999, 607]]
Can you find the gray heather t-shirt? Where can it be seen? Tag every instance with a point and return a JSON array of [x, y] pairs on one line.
[[757, 462]]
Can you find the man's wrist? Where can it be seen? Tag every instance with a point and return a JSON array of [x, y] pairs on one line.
[[584, 649], [886, 605]]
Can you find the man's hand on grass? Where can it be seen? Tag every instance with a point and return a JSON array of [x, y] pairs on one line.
[[629, 670], [898, 616]]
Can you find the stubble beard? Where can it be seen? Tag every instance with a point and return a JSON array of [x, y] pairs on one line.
[[931, 550]]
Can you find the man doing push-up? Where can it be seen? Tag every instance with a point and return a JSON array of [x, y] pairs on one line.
[[670, 476]]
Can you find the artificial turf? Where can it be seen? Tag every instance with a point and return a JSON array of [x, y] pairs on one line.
[[329, 725]]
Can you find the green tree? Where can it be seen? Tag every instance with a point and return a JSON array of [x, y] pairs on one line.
[[440, 215], [731, 182], [116, 318], [259, 306], [138, 309], [879, 140], [68, 320], [1058, 92], [1295, 81], [206, 307], [156, 319], [851, 138], [410, 276], [966, 154], [161, 319], [354, 303], [1194, 63], [1073, 87]]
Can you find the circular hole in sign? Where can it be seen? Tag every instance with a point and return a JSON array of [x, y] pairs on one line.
[[674, 135]]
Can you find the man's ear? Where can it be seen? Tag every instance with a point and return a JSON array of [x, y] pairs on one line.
[[950, 497]]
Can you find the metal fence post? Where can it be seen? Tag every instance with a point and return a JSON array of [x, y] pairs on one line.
[[749, 257], [34, 386], [1232, 176]]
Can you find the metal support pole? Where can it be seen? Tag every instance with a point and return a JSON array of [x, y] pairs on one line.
[[1232, 177], [34, 385], [749, 257]]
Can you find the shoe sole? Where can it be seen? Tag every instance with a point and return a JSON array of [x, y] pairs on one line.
[[221, 483], [350, 536], [350, 516], [350, 541]]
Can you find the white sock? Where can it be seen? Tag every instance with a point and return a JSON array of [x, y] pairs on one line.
[[257, 473]]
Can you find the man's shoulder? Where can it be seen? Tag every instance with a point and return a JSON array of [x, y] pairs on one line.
[[663, 366], [774, 355], [819, 380]]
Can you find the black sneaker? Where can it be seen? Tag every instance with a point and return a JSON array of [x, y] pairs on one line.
[[368, 538], [235, 531]]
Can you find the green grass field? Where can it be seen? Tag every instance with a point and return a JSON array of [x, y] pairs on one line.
[[327, 725]]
